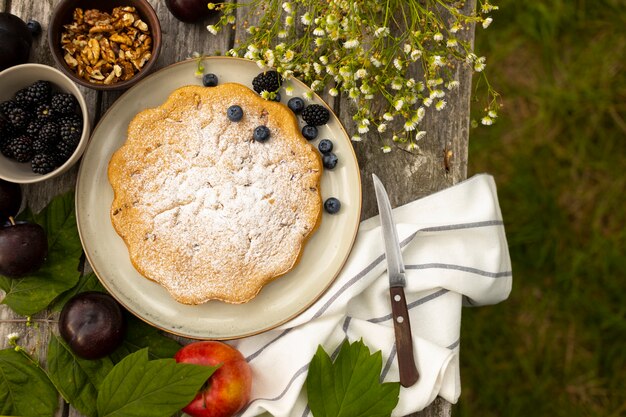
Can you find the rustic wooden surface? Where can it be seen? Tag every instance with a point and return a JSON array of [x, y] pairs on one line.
[[407, 176]]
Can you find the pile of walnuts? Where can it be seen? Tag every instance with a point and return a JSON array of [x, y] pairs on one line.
[[104, 48]]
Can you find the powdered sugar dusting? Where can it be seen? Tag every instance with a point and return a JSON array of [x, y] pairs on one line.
[[204, 209]]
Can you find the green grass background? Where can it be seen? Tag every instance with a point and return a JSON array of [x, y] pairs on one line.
[[557, 346]]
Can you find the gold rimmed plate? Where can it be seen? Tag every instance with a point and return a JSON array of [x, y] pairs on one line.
[[279, 301]]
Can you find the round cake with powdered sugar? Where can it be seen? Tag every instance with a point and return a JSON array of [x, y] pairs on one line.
[[216, 193]]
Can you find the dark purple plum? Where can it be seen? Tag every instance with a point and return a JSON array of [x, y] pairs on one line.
[[23, 249], [92, 324], [15, 41], [189, 11]]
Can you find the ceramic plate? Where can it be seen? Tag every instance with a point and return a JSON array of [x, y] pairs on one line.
[[279, 301]]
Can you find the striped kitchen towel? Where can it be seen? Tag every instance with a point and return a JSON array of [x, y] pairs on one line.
[[455, 251]]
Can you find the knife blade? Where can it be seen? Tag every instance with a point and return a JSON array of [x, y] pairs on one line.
[[397, 281]]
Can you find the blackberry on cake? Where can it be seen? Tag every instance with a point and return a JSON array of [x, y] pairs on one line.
[[315, 115], [269, 81]]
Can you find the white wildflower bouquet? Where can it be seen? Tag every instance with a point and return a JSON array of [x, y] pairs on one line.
[[403, 51]]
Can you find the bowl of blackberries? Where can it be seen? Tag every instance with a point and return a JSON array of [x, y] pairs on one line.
[[44, 123]]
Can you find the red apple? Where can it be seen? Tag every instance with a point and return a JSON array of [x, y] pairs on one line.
[[228, 390]]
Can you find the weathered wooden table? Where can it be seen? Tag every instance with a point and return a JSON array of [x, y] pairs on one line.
[[441, 162]]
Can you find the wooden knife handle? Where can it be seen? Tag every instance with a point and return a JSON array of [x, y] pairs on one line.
[[404, 341]]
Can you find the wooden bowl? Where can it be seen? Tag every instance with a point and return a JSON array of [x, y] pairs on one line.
[[63, 15]]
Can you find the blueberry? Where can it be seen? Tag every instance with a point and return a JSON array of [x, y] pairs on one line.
[[234, 113], [261, 133], [296, 104], [34, 27], [309, 132], [332, 205], [209, 80], [330, 160], [276, 97], [325, 146]]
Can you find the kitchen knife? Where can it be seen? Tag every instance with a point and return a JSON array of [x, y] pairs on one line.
[[395, 269]]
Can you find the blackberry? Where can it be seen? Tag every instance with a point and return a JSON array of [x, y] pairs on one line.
[[23, 99], [33, 128], [72, 119], [43, 163], [41, 146], [7, 130], [63, 103], [39, 92], [315, 115], [49, 132], [7, 133], [332, 205], [63, 151], [18, 118], [5, 149], [70, 128], [6, 106], [44, 112], [269, 81], [21, 148]]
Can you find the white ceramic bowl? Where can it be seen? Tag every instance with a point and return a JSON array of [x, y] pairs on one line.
[[14, 79]]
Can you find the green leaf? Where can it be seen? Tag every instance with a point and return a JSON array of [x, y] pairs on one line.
[[137, 387], [350, 386], [141, 335], [76, 379], [87, 282], [31, 294], [25, 390]]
